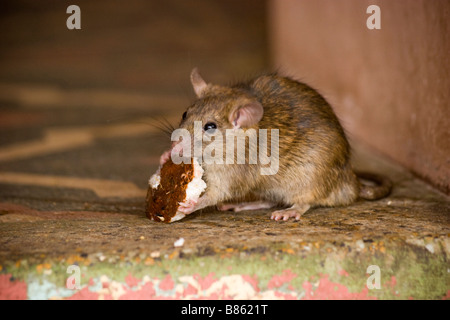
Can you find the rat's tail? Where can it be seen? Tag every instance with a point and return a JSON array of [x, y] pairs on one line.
[[373, 186]]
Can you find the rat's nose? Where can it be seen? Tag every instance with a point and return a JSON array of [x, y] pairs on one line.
[[177, 147], [166, 155]]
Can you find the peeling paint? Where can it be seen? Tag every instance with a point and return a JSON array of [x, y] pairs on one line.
[[11, 289]]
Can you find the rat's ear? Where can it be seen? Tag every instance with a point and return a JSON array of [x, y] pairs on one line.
[[247, 115], [197, 82]]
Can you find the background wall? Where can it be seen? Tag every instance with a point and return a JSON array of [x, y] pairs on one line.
[[390, 87]]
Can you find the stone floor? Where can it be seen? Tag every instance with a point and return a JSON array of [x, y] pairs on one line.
[[79, 118]]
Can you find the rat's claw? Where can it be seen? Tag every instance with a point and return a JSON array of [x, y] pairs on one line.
[[281, 215], [185, 210], [188, 203], [164, 157], [294, 212], [187, 207]]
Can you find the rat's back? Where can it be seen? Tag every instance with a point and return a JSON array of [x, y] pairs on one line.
[[313, 147]]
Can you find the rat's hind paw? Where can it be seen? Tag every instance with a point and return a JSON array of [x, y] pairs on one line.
[[293, 212]]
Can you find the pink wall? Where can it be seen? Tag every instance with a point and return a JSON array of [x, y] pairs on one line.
[[390, 87]]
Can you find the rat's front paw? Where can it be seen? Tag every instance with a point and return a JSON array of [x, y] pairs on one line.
[[187, 207], [165, 157], [194, 205]]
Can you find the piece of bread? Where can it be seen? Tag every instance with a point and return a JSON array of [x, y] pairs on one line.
[[171, 185]]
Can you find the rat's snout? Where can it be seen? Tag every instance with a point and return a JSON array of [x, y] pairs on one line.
[[181, 148], [177, 147]]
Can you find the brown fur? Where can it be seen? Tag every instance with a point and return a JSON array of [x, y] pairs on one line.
[[314, 155]]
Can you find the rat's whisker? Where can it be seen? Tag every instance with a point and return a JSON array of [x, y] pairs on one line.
[[167, 123], [158, 124]]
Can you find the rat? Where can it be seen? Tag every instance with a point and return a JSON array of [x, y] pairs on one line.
[[314, 168]]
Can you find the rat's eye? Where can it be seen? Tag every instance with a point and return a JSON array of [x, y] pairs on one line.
[[184, 115], [210, 126]]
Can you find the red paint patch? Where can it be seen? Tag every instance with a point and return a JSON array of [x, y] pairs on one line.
[[285, 296], [84, 294], [167, 283], [206, 282], [392, 283], [328, 290], [253, 281], [218, 295], [342, 272], [189, 290], [147, 292], [277, 281], [131, 281], [308, 287], [12, 290]]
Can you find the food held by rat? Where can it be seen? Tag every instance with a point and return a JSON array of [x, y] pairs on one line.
[[314, 166], [172, 186]]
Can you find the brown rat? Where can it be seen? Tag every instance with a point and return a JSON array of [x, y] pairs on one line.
[[313, 157]]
